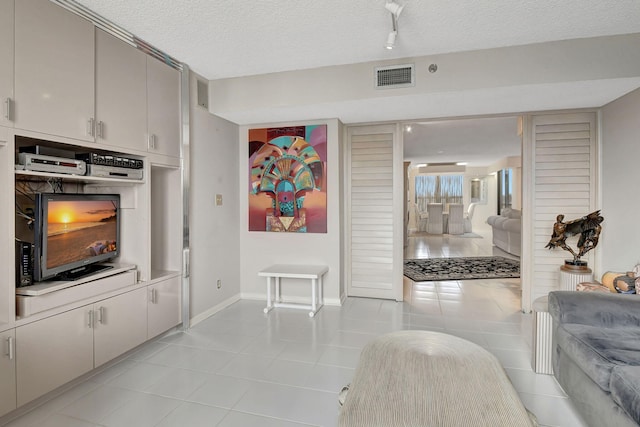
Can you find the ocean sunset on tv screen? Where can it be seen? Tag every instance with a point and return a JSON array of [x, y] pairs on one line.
[[80, 229]]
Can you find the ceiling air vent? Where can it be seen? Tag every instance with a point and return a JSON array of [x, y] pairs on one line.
[[394, 76]]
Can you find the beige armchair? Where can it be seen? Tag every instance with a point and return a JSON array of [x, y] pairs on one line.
[[434, 222]]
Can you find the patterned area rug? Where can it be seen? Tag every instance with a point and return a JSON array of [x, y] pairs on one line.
[[490, 267]]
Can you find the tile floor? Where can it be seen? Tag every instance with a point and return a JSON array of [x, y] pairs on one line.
[[242, 368]]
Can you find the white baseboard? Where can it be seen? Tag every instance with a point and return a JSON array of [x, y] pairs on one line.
[[213, 310], [296, 300]]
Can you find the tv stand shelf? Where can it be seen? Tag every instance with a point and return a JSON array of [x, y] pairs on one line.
[[44, 296], [41, 288]]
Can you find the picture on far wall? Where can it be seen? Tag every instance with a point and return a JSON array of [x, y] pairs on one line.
[[287, 179]]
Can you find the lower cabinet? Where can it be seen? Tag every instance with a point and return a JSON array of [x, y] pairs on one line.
[[52, 352], [7, 372], [163, 311], [120, 325], [55, 350]]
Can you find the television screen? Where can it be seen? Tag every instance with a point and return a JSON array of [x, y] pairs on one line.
[[75, 231]]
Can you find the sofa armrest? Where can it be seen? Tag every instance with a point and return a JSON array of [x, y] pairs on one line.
[[595, 309]]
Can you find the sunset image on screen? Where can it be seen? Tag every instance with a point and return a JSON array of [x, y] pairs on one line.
[[80, 229]]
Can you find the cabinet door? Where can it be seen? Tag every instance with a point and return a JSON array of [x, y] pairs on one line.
[[6, 62], [52, 352], [7, 372], [121, 324], [54, 70], [121, 93], [163, 108], [164, 306]]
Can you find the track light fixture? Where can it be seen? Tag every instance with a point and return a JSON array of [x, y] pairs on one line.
[[391, 40], [395, 9]]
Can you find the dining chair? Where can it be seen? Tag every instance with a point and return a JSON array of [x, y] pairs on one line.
[[434, 221], [456, 219], [468, 217]]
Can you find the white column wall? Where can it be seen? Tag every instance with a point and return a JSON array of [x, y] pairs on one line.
[[215, 249], [620, 200]]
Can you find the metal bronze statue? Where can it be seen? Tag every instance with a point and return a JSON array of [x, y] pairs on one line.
[[588, 227]]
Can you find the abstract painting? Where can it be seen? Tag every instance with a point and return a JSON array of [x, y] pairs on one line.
[[287, 179]]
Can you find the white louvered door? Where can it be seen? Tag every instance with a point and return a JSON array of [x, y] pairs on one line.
[[374, 211], [563, 156]]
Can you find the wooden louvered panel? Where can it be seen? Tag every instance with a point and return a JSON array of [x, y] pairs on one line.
[[564, 155], [371, 207]]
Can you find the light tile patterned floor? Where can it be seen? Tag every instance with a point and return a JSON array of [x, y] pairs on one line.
[[242, 368]]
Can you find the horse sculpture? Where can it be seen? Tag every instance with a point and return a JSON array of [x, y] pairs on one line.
[[588, 227]]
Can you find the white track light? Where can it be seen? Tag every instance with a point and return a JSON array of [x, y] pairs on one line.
[[391, 40]]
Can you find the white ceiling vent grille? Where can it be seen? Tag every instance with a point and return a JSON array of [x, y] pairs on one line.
[[394, 76]]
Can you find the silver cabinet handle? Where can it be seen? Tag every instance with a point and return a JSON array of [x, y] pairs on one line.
[[100, 129], [91, 126], [101, 315], [90, 316], [8, 114], [10, 348], [154, 296], [152, 141]]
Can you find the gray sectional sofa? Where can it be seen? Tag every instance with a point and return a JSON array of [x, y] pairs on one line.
[[596, 354]]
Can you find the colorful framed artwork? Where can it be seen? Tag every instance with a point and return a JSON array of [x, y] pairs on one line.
[[288, 179]]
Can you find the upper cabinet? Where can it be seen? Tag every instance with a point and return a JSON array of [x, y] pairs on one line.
[[121, 93], [6, 62], [163, 108], [54, 70]]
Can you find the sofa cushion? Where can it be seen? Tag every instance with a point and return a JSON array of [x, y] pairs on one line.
[[511, 213], [625, 389], [598, 350]]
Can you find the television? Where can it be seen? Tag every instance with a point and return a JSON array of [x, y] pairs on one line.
[[73, 233]]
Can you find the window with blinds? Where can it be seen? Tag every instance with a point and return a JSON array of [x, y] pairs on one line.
[[443, 189]]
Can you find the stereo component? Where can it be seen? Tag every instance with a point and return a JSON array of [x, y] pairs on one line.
[[114, 172], [24, 264], [42, 163]]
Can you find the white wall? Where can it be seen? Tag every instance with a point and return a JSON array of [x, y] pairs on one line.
[[466, 78], [215, 249], [261, 249], [620, 182]]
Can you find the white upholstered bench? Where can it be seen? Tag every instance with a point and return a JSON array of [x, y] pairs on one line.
[[423, 378], [314, 273]]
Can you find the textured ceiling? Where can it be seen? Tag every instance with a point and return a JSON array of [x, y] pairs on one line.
[[231, 38], [223, 38]]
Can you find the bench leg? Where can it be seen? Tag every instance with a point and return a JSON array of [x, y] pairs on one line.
[[314, 299], [269, 306]]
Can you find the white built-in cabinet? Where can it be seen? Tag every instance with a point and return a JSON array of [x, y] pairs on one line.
[[163, 106], [52, 352], [6, 61], [119, 324], [7, 371], [54, 71], [121, 93], [164, 306], [137, 99], [77, 88]]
